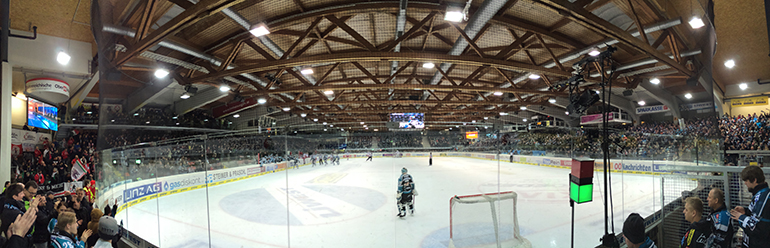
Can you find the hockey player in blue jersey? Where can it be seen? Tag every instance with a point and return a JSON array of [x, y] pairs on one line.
[[406, 193]]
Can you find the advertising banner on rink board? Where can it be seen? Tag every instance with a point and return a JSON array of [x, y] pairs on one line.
[[749, 101], [651, 109]]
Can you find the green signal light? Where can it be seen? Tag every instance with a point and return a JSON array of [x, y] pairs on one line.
[[581, 193]]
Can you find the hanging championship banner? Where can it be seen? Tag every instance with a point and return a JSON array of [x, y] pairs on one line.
[[696, 106], [749, 101]]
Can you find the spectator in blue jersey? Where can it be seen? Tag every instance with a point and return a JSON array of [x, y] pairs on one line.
[[754, 219], [721, 227], [699, 231], [63, 235], [633, 232]]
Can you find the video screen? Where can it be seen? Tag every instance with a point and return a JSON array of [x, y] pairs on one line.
[[42, 115], [409, 120]]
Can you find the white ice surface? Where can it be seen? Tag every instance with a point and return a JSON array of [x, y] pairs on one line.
[[353, 205]]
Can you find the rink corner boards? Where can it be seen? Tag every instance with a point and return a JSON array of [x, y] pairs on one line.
[[185, 189]]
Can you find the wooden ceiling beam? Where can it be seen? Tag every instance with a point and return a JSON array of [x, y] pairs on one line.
[[352, 32], [415, 28], [603, 27], [231, 56], [364, 87], [195, 13], [379, 56], [302, 37], [145, 22]]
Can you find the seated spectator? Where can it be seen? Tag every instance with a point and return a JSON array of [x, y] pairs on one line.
[[633, 233]]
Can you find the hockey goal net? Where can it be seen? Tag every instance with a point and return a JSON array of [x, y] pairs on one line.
[[485, 220]]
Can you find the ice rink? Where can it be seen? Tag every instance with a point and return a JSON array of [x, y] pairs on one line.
[[354, 205]]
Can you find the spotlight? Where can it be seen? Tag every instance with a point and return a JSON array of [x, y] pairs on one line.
[[236, 115], [324, 129], [329, 92], [486, 118], [21, 96], [655, 81], [743, 86], [136, 114], [261, 101], [641, 103], [315, 120], [523, 107], [174, 117], [286, 109], [730, 63], [307, 71], [534, 76], [525, 120], [366, 128], [224, 88], [331, 125], [688, 95], [362, 123], [566, 113], [454, 14], [473, 121], [696, 22], [259, 30], [161, 73], [63, 58], [324, 123], [498, 93], [503, 113], [376, 130], [185, 95], [303, 115], [552, 100], [594, 52], [428, 65]]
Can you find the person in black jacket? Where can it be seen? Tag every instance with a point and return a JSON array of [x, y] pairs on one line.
[[754, 219], [13, 206], [41, 236], [700, 230]]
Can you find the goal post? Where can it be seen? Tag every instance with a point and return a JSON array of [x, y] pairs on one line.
[[485, 220]]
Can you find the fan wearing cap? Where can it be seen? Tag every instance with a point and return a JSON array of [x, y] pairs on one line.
[[108, 229], [633, 232]]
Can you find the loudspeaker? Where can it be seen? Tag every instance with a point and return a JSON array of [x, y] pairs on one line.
[[628, 92]]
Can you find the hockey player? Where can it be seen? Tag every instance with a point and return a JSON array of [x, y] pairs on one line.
[[368, 156], [337, 158], [406, 191], [312, 160]]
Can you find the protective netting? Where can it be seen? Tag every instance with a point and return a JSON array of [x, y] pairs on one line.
[[485, 220]]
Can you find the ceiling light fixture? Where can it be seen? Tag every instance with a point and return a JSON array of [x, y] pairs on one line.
[[329, 92], [315, 120], [594, 52], [224, 88], [286, 109], [743, 86], [236, 115], [523, 107], [362, 123], [655, 81], [498, 93], [534, 76], [486, 118], [525, 119], [261, 101], [428, 65], [307, 71], [376, 130], [63, 58], [324, 123], [303, 115], [503, 113], [696, 22], [552, 100], [259, 30], [161, 73], [688, 95], [454, 14], [185, 95], [730, 64], [641, 103]]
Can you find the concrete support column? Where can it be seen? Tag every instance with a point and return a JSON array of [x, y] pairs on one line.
[[5, 122]]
